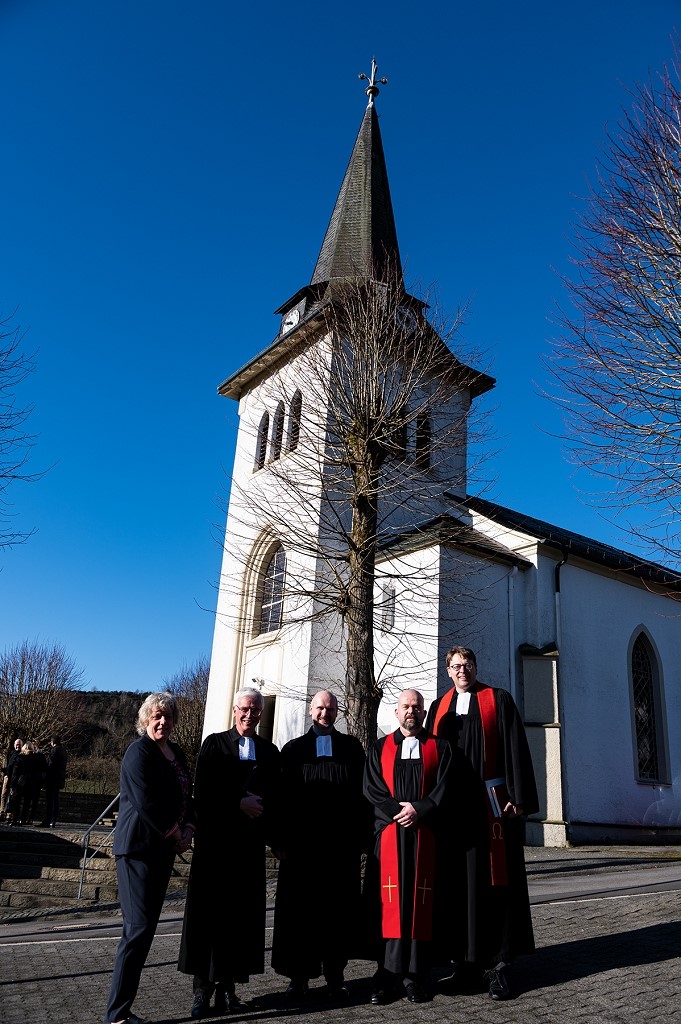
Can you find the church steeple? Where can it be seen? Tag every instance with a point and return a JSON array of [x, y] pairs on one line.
[[361, 240]]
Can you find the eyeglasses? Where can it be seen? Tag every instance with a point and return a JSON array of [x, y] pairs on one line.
[[255, 712], [466, 666]]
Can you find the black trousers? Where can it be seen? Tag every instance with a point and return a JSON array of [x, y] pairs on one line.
[[142, 884]]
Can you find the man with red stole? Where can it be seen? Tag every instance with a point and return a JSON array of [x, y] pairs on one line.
[[406, 781], [483, 723]]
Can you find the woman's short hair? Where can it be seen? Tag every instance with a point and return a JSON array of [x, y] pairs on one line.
[[162, 701], [28, 748]]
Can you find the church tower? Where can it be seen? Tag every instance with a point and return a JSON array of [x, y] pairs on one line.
[[279, 623]]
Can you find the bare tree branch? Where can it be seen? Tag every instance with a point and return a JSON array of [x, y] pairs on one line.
[[15, 442], [617, 366]]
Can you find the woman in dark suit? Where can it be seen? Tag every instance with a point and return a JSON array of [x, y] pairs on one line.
[[155, 821]]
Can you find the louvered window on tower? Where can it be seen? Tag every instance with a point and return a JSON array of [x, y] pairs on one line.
[[294, 418], [261, 443], [387, 609], [422, 452], [277, 432], [272, 599]]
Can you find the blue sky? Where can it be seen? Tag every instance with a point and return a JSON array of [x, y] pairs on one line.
[[167, 175]]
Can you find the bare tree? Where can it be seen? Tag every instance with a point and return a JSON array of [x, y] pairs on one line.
[[190, 686], [618, 365], [15, 442], [381, 457], [39, 685]]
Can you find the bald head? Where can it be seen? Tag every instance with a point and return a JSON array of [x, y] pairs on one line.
[[410, 712], [324, 710]]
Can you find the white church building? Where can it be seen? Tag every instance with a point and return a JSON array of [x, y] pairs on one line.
[[586, 637]]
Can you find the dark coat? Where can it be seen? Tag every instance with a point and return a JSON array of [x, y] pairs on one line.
[[498, 917], [223, 935], [326, 826], [151, 799], [56, 767]]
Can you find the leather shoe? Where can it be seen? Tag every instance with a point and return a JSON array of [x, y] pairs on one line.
[[340, 991], [379, 997], [200, 1006], [499, 987], [297, 991], [415, 994], [236, 1005]]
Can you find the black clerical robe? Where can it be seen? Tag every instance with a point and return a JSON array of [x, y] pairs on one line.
[[223, 935], [317, 910], [408, 954], [499, 924]]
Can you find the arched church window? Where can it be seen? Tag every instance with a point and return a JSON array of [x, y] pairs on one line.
[[647, 712], [277, 432], [422, 441], [272, 592], [261, 443], [294, 418]]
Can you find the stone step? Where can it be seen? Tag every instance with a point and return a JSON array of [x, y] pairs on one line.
[[43, 887], [31, 901]]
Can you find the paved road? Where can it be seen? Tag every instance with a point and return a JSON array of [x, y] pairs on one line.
[[606, 952]]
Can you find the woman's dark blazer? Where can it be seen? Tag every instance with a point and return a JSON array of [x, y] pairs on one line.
[[151, 799]]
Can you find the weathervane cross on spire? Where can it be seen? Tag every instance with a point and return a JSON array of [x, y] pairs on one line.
[[372, 89]]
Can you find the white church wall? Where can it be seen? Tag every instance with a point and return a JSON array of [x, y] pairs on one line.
[[599, 617], [406, 653], [259, 514]]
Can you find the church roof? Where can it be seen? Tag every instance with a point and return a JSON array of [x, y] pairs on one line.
[[447, 529], [569, 543], [361, 239]]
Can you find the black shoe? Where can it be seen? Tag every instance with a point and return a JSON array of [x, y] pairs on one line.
[[499, 987], [415, 993], [379, 997], [236, 1005], [200, 1006], [297, 991], [465, 978], [338, 991]]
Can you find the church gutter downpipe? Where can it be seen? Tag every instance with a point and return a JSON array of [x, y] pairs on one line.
[[556, 572]]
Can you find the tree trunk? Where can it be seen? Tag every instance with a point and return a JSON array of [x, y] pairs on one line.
[[362, 695]]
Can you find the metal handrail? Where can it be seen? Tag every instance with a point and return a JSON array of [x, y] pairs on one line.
[[85, 841]]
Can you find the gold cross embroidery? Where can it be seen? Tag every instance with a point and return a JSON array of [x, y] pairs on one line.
[[390, 886]]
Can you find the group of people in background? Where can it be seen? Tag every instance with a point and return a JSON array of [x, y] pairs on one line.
[[28, 771], [437, 807]]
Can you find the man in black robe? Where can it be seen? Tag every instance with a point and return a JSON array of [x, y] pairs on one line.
[[322, 834], [483, 722], [236, 793], [406, 781]]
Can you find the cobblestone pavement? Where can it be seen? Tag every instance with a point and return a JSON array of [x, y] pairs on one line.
[[610, 959]]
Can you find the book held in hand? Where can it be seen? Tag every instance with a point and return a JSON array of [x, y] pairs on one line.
[[498, 795]]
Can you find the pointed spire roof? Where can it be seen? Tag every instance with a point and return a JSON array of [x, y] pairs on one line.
[[361, 239]]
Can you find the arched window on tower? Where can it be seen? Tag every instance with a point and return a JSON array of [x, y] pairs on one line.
[[261, 443], [277, 432], [271, 603], [422, 451], [648, 714], [294, 418]]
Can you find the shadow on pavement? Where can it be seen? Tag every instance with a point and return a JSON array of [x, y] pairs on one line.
[[567, 961]]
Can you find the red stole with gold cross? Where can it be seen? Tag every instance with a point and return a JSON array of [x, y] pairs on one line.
[[490, 741], [422, 919]]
